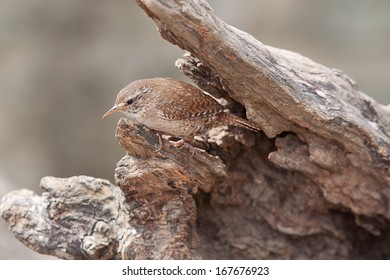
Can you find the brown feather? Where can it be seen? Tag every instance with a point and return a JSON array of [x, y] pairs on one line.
[[237, 121]]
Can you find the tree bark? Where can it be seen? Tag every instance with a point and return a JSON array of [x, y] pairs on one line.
[[315, 184]]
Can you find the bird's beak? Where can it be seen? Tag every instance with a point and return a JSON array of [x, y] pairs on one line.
[[114, 109]]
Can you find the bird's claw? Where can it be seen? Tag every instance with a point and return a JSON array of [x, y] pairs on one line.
[[179, 144]]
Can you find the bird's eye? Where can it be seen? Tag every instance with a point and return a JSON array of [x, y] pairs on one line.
[[130, 101]]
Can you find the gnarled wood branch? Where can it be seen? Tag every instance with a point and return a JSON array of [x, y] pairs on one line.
[[315, 184]]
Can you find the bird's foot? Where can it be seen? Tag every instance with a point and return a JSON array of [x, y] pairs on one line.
[[179, 144]]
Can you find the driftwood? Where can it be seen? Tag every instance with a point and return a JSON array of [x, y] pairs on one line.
[[315, 184]]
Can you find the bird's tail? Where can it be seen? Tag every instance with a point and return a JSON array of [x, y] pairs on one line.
[[234, 120]]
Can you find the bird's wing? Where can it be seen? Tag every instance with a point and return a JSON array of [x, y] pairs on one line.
[[188, 103]]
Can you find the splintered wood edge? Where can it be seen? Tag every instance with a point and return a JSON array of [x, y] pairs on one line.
[[79, 217], [82, 217]]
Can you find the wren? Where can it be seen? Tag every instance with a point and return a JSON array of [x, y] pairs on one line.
[[173, 108]]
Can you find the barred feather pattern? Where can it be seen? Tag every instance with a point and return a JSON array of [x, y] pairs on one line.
[[175, 108]]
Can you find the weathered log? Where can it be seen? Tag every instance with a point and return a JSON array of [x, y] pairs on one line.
[[150, 216], [314, 185]]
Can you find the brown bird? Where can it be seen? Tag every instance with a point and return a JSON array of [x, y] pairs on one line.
[[173, 108]]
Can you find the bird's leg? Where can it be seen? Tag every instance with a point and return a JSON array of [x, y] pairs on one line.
[[189, 146], [177, 144], [160, 141], [206, 141]]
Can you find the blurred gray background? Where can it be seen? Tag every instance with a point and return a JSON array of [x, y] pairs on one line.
[[63, 62]]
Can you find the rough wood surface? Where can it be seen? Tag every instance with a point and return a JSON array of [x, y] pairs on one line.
[[314, 185], [151, 215]]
